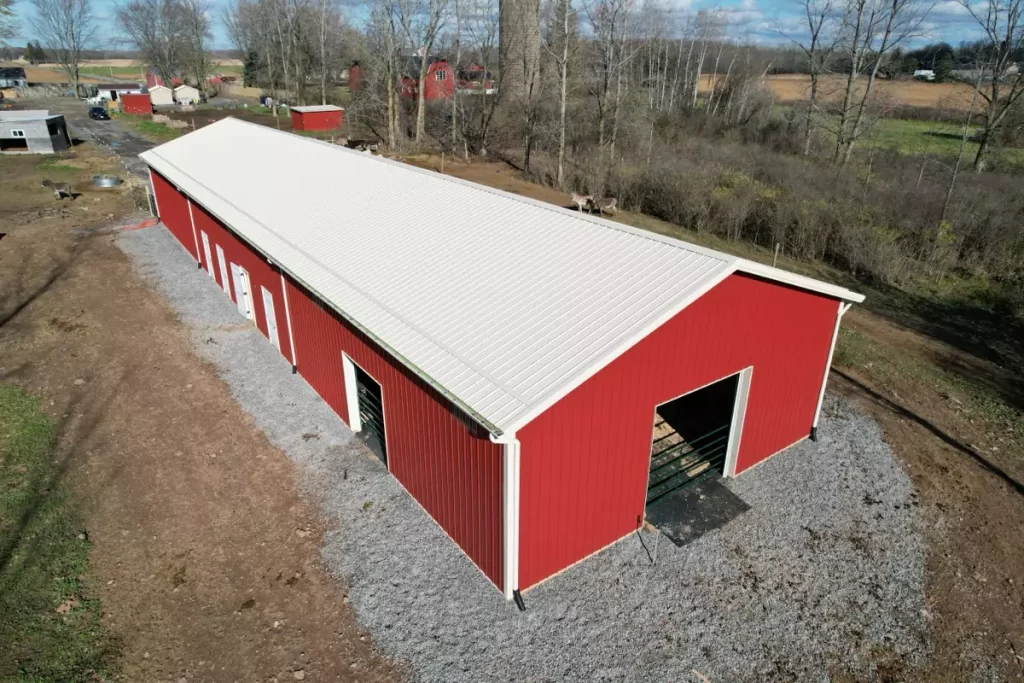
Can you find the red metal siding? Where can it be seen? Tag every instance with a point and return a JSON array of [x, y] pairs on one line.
[[261, 273], [173, 209], [136, 104], [317, 120], [452, 469], [585, 460], [447, 463]]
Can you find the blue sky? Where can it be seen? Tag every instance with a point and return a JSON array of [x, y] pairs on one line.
[[749, 19]]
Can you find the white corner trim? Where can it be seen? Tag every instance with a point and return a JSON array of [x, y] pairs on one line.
[[511, 458], [739, 412], [843, 308], [195, 235], [288, 319], [152, 186], [351, 393]]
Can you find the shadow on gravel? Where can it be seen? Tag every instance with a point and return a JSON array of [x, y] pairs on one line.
[[900, 410]]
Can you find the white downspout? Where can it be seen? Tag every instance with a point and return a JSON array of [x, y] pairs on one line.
[[510, 513], [843, 308], [288, 318]]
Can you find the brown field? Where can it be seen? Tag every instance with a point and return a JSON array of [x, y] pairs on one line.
[[40, 74], [908, 93], [794, 87]]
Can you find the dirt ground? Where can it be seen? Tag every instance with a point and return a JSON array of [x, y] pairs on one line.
[[204, 555], [969, 477]]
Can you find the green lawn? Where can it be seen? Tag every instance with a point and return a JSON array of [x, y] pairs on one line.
[[49, 625], [937, 139]]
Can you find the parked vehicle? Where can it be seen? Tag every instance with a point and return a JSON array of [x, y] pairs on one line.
[[98, 114]]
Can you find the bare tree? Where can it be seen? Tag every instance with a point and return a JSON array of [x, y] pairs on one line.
[[422, 21], [7, 30], [825, 20], [1003, 84], [195, 24], [67, 28], [156, 28], [561, 44], [875, 29]]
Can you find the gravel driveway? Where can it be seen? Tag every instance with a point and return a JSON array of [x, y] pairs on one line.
[[824, 576]]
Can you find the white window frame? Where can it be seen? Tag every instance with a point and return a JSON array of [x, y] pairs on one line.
[[441, 75], [17, 133]]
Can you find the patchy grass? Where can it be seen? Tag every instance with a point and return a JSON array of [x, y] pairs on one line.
[[890, 366], [21, 177], [49, 626], [145, 127]]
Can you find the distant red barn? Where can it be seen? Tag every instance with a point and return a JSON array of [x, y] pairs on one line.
[[538, 379], [136, 103], [317, 117]]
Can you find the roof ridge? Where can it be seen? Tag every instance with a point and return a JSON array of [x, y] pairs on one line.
[[547, 206]]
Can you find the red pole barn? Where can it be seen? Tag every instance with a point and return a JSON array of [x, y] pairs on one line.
[[512, 363], [136, 103], [318, 117]]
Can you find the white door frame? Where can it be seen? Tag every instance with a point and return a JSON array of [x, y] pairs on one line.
[[739, 412], [352, 401], [270, 316], [225, 283], [243, 297], [209, 254]]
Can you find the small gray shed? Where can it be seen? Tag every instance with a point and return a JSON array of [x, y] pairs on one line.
[[34, 131]]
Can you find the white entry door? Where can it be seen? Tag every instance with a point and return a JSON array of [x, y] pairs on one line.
[[243, 293], [223, 271], [209, 255], [268, 309]]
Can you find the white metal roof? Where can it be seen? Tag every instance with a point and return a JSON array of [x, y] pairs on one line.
[[313, 108], [502, 303], [27, 115]]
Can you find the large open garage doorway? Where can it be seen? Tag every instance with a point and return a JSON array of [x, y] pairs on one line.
[[693, 445]]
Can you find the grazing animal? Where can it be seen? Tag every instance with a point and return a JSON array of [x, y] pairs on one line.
[[606, 204], [581, 200], [59, 189]]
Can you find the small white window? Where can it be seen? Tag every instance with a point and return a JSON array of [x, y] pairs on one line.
[[17, 133], [441, 75]]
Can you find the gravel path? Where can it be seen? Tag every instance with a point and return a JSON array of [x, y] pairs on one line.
[[823, 576]]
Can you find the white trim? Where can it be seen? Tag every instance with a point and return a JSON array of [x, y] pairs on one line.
[[355, 397], [739, 414], [270, 316], [348, 369], [732, 448], [152, 186], [639, 335], [209, 256], [192, 220], [799, 281], [288, 318], [843, 308], [511, 457], [223, 263]]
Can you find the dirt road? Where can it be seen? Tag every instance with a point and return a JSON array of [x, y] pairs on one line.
[[205, 557]]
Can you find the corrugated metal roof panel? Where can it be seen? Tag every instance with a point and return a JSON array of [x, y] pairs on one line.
[[502, 302]]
